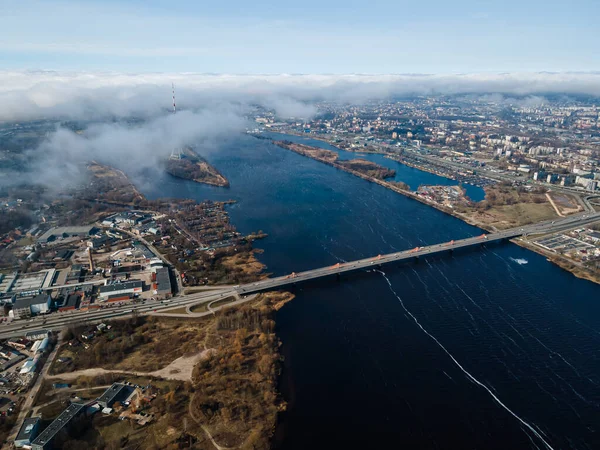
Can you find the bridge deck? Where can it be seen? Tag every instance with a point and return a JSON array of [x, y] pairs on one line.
[[375, 261], [542, 227]]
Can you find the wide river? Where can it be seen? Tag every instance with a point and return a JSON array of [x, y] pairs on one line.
[[483, 348]]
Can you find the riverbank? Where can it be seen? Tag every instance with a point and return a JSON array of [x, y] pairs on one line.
[[387, 184], [564, 263], [327, 141]]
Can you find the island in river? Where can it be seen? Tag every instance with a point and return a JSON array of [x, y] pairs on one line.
[[191, 166], [356, 166]]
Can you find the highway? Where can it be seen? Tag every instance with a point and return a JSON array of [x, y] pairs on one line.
[[56, 321]]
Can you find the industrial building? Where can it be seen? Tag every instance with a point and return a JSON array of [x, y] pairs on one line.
[[117, 392], [28, 432], [71, 302], [27, 283], [31, 306], [145, 251], [65, 232], [128, 287], [163, 282], [58, 428]]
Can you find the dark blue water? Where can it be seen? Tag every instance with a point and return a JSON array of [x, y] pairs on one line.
[[409, 175], [491, 348]]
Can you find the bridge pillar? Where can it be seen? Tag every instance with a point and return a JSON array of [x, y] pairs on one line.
[[338, 276], [416, 258]]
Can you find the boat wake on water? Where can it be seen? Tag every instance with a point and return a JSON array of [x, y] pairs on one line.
[[519, 261], [527, 425]]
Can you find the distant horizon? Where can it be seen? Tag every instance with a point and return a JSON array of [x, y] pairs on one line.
[[36, 94]]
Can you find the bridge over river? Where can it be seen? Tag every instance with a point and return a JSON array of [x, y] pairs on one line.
[[58, 321], [337, 269]]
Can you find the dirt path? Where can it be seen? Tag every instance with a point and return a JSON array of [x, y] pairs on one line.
[[180, 370], [551, 200], [205, 429]]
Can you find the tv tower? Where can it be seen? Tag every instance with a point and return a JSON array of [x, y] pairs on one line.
[[173, 87], [175, 154]]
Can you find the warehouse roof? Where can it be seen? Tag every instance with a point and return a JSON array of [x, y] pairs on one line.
[[121, 286], [71, 231], [110, 394], [163, 280], [26, 302]]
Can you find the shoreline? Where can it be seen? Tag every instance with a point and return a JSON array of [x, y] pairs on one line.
[[570, 266], [556, 259], [388, 185], [421, 168], [197, 180]]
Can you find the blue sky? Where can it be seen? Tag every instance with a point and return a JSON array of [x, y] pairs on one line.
[[309, 36]]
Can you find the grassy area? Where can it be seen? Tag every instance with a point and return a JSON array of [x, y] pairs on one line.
[[180, 310], [566, 203], [507, 207], [222, 302], [139, 344], [203, 307], [509, 216]]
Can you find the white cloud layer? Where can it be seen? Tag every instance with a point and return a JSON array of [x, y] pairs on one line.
[[43, 94]]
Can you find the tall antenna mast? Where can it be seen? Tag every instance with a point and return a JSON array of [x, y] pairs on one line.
[[175, 154], [174, 109]]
